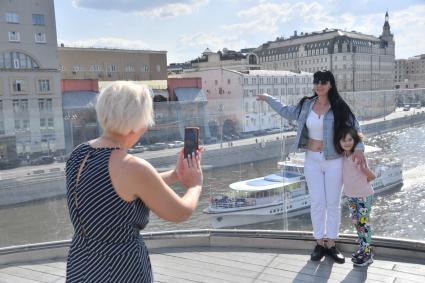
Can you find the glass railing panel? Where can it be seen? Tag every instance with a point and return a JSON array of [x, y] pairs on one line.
[[239, 147]]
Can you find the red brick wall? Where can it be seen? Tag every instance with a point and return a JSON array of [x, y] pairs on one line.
[[182, 82], [79, 85]]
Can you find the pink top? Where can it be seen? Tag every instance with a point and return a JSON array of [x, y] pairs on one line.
[[354, 180]]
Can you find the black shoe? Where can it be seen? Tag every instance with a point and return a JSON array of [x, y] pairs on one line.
[[363, 259], [356, 254], [337, 256], [318, 253]]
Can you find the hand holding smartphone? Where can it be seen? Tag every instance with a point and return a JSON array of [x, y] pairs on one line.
[[191, 140]]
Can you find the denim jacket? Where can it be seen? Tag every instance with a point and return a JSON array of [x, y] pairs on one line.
[[290, 112]]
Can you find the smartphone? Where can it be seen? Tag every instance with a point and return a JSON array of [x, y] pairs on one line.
[[191, 140]]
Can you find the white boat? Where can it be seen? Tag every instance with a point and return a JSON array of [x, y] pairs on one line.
[[278, 195]]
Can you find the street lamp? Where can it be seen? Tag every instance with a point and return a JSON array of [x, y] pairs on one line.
[[220, 110], [71, 116]]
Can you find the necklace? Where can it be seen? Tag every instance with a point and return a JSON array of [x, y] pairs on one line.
[[322, 106], [115, 143]]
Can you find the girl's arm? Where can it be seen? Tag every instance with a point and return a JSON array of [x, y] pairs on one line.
[[370, 175]]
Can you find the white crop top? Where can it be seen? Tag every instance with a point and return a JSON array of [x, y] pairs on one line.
[[315, 126]]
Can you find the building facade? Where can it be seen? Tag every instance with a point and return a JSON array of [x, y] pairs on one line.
[[112, 64], [242, 60], [231, 97], [359, 61], [30, 96], [410, 73]]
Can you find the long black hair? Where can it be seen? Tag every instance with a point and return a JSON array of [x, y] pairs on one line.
[[343, 116]]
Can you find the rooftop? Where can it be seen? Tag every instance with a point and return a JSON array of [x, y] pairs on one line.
[[276, 73], [105, 49], [325, 34]]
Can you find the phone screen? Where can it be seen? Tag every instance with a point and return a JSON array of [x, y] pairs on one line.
[[191, 136]]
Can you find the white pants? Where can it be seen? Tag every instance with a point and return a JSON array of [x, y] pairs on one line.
[[324, 181]]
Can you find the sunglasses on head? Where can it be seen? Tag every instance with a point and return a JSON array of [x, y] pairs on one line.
[[319, 82]]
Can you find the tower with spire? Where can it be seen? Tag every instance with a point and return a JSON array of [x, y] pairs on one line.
[[387, 38]]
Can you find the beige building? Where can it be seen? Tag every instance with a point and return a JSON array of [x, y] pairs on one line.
[[359, 61], [112, 64], [242, 60], [235, 60], [410, 73], [231, 96], [30, 96]]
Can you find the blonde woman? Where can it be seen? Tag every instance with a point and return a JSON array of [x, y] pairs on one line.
[[111, 192]]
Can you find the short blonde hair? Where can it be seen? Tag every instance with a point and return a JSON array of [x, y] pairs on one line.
[[123, 107]]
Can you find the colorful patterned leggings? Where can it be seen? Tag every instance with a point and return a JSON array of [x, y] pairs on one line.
[[360, 208]]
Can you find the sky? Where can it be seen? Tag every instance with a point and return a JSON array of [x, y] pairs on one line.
[[185, 28]]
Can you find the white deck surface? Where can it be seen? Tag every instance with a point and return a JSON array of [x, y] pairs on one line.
[[222, 264]]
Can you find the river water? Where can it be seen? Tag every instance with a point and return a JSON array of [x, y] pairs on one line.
[[397, 213]]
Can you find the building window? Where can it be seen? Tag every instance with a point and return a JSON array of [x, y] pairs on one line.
[[49, 105], [17, 60], [44, 85], [12, 18], [1, 128], [145, 68], [16, 64], [38, 19], [42, 123], [112, 68], [76, 68], [50, 123], [228, 81], [41, 105], [20, 105], [40, 37], [14, 36], [61, 68], [26, 125], [95, 68], [17, 125], [158, 68], [18, 85], [129, 68], [45, 105]]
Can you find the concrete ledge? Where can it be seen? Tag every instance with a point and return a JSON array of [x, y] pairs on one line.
[[406, 249]]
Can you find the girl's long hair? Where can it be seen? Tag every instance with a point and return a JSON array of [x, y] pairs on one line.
[[343, 116], [342, 134]]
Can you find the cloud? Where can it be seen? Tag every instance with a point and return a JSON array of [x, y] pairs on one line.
[[211, 40], [158, 8], [407, 26], [192, 45], [268, 17], [274, 19], [107, 42]]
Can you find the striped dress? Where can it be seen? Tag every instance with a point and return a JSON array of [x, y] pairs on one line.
[[106, 246]]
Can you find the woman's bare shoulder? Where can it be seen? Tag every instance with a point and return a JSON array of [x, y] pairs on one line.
[[126, 163], [127, 173]]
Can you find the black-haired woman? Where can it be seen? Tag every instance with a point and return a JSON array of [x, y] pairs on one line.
[[319, 118]]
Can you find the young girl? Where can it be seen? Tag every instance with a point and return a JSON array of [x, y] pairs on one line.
[[359, 192]]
